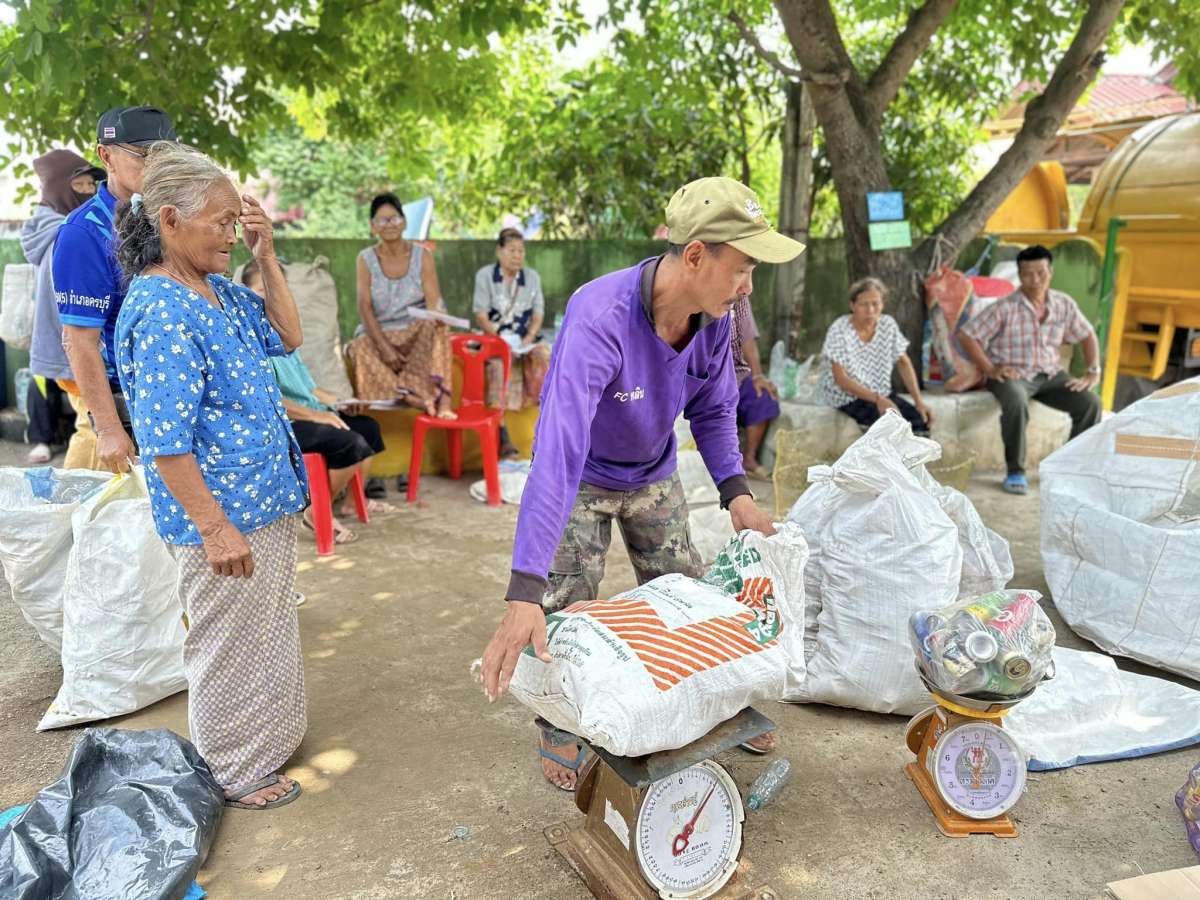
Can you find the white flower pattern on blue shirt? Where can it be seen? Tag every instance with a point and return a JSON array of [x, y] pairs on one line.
[[198, 380]]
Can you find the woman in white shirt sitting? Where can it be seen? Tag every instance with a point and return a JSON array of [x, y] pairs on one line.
[[509, 303], [861, 349]]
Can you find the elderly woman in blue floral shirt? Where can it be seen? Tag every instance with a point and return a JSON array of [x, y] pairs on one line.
[[224, 471]]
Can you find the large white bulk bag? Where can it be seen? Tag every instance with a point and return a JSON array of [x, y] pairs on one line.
[[1094, 712], [1121, 530], [662, 665]]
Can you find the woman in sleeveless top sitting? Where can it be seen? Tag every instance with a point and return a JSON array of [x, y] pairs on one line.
[[392, 353]]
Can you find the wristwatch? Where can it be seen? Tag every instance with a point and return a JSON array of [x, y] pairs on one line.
[[1093, 370]]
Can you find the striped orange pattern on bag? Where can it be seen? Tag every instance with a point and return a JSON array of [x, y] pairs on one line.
[[673, 655]]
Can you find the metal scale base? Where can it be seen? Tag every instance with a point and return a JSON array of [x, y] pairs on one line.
[[608, 782]]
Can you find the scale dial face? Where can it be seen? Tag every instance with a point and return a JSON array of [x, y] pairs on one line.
[[979, 770], [683, 864]]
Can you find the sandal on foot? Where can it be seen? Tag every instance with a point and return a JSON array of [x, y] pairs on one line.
[[509, 451], [574, 767], [341, 534], [273, 778], [750, 748], [1016, 484]]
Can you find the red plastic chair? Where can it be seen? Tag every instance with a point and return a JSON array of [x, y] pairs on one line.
[[472, 413], [322, 503]]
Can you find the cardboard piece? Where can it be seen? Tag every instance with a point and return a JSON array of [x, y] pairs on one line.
[[1177, 884]]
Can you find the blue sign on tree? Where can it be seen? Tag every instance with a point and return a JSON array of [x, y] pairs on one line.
[[885, 207]]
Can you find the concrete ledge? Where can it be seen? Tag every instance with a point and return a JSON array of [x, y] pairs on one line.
[[12, 425], [970, 420]]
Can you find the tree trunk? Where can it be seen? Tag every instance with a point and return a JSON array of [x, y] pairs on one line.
[[795, 212], [858, 168], [850, 110]]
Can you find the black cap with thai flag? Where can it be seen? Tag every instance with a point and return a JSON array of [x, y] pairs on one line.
[[137, 125]]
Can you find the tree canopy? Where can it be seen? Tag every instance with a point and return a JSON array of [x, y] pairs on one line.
[[221, 68], [461, 98], [965, 52]]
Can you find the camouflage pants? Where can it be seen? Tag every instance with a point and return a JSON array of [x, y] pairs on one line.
[[654, 522]]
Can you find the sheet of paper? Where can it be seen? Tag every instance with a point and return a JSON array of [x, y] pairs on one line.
[[420, 312], [390, 403]]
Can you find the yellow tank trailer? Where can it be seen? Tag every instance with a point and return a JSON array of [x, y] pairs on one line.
[[1142, 217]]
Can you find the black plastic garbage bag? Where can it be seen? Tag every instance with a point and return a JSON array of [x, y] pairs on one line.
[[131, 817]]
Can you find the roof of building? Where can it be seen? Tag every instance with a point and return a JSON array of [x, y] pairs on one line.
[[1111, 99]]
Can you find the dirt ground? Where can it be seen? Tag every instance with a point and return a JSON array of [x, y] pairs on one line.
[[402, 747]]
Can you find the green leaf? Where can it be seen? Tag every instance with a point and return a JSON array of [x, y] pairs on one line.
[[40, 12]]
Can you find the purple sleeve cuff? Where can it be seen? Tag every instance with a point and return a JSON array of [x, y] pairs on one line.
[[730, 489], [526, 587]]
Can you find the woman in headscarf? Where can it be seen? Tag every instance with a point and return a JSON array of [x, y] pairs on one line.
[[393, 353], [63, 175], [223, 468]]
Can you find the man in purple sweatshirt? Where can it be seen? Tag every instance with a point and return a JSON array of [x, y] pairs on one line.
[[636, 348]]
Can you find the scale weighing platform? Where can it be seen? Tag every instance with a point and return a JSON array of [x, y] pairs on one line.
[[667, 826]]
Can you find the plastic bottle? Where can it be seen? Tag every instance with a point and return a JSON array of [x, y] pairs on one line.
[[769, 784]]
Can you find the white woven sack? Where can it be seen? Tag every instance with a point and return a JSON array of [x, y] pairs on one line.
[[315, 293], [987, 559], [16, 306], [1094, 712], [711, 528], [698, 484], [123, 625], [662, 665], [886, 550], [1121, 530], [35, 540]]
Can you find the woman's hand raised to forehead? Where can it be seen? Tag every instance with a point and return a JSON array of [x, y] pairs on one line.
[[257, 230]]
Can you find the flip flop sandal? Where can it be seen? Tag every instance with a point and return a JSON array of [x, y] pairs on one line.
[[761, 473], [271, 779], [304, 523], [442, 391], [750, 748], [376, 489], [1016, 484], [39, 456], [574, 767]]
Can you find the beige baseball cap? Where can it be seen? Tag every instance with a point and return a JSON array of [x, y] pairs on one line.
[[724, 211]]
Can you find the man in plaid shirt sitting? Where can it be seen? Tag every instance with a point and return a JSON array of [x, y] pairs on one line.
[[1015, 344]]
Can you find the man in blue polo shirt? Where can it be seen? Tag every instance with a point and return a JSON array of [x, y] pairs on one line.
[[88, 284]]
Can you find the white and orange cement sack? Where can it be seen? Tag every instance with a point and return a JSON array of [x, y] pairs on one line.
[[662, 665]]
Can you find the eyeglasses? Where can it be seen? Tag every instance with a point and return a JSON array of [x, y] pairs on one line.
[[136, 153], [391, 220]]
